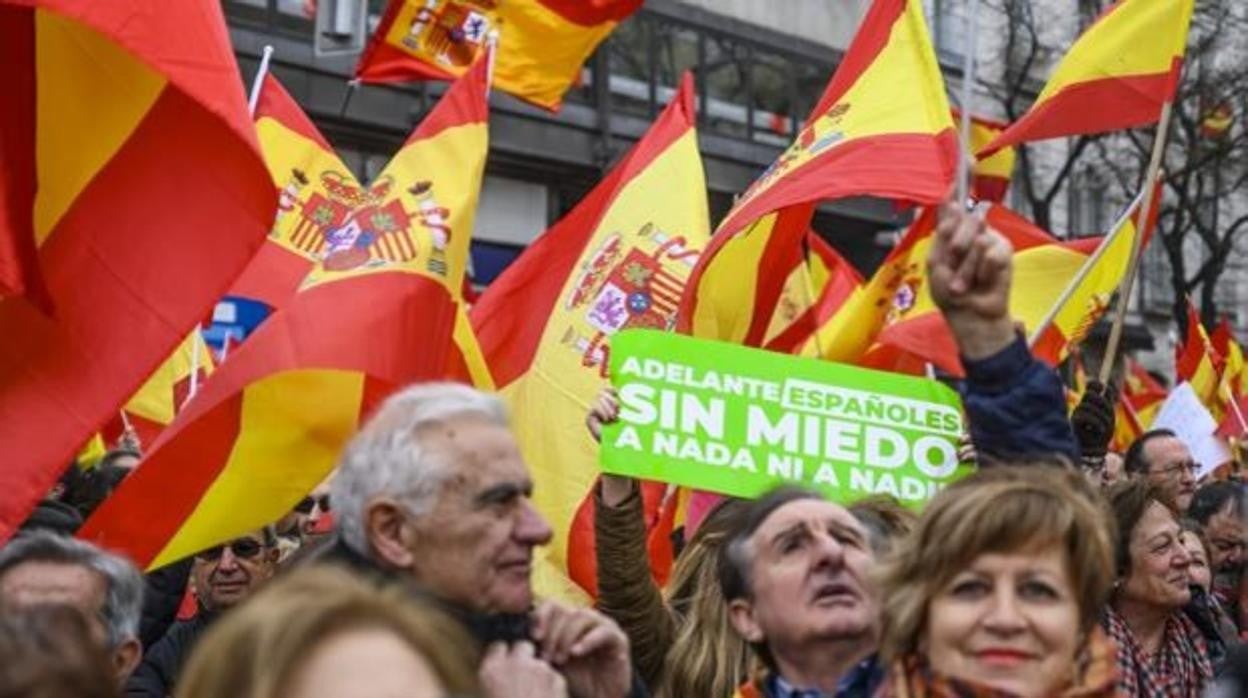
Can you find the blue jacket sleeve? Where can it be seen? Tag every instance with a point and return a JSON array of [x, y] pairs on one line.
[[1016, 407]]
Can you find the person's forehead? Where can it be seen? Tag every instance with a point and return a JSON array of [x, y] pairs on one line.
[[479, 446], [41, 582], [1164, 450], [1156, 519], [1226, 521], [805, 511]]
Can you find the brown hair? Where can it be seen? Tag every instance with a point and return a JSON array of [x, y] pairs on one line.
[[885, 519], [996, 510], [1128, 501], [47, 651], [707, 657], [255, 650]]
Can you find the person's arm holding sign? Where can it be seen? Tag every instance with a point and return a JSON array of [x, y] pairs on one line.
[[626, 591], [1015, 404]]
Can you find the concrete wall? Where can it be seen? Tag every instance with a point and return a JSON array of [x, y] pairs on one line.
[[828, 22]]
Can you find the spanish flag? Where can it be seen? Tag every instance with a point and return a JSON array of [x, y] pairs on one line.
[[160, 399], [316, 193], [1138, 404], [1117, 75], [990, 177], [1231, 379], [819, 284], [377, 312], [620, 259], [737, 285], [895, 310], [541, 43], [1196, 362], [133, 189], [1091, 290], [864, 137], [1043, 267]]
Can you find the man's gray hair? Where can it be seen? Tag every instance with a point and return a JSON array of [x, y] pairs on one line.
[[123, 598], [386, 456]]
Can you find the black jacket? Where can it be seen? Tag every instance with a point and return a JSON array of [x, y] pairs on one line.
[[1016, 407], [163, 662], [163, 591], [485, 629]]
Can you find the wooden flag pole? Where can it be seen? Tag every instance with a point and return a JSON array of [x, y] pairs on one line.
[[1084, 271], [258, 82], [968, 94], [1146, 211]]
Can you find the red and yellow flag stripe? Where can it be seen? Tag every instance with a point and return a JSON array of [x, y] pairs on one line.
[[151, 197], [861, 127], [816, 288], [269, 425], [1127, 64], [1196, 362], [990, 176], [892, 322]]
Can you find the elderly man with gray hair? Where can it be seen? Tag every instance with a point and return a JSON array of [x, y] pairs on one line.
[[433, 490], [45, 568]]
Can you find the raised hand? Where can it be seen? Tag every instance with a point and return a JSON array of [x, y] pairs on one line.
[[969, 270], [606, 410]]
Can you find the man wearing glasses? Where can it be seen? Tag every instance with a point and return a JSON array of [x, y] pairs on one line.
[[222, 577], [1161, 457]]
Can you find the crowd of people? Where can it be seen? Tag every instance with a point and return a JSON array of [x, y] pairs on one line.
[[1049, 571]]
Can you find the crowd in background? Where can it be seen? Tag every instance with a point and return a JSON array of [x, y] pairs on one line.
[[1054, 570]]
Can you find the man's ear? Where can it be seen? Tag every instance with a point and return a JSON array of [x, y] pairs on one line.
[[388, 533], [126, 659], [741, 615]]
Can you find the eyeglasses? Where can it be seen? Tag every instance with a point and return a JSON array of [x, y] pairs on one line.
[[1177, 468], [305, 505], [243, 548]]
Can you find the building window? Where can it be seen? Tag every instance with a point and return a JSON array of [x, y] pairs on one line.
[[1086, 202], [1156, 293], [950, 29]]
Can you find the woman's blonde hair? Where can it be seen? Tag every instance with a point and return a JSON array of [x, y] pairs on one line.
[[255, 650], [997, 510], [707, 657]]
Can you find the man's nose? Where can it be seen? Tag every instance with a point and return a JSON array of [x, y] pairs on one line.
[[531, 528], [228, 560], [829, 550]]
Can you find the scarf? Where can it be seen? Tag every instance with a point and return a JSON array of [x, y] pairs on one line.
[[1179, 669]]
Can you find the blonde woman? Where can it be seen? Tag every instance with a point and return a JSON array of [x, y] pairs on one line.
[[998, 591]]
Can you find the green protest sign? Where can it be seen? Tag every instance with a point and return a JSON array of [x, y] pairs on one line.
[[740, 421]]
